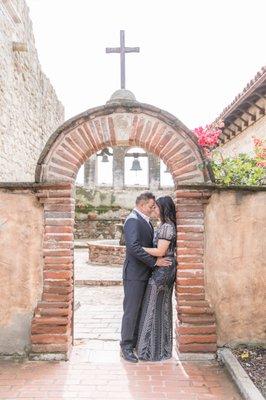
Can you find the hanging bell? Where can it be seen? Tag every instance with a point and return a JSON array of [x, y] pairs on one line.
[[136, 165], [105, 158]]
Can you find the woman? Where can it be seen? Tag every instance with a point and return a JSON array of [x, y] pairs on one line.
[[155, 338]]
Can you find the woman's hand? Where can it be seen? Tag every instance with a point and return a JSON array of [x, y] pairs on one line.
[[163, 262]]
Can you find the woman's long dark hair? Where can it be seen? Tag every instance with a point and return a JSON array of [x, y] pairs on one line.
[[167, 209]]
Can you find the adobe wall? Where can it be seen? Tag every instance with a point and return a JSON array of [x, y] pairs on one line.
[[235, 261], [21, 230], [243, 142]]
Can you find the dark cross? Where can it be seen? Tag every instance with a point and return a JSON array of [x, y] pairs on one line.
[[122, 50]]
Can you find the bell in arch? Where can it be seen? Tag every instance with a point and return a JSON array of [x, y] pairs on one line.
[[104, 154], [136, 164], [105, 158]]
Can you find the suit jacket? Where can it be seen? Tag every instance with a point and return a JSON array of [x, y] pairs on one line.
[[138, 264]]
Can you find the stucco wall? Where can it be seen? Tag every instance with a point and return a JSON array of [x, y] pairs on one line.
[[30, 110], [243, 142], [21, 225], [235, 265]]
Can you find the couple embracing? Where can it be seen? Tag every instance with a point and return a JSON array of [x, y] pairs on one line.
[[148, 277]]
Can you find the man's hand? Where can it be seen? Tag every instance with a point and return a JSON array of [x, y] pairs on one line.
[[163, 262]]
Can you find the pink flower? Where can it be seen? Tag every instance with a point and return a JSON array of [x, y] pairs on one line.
[[257, 142], [261, 164], [207, 136]]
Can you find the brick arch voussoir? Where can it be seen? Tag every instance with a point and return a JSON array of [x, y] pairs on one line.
[[144, 126]]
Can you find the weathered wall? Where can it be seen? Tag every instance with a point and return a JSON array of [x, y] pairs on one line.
[[29, 108], [103, 253], [21, 224], [243, 142], [235, 264]]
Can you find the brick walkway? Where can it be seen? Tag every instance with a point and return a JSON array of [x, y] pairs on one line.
[[95, 370]]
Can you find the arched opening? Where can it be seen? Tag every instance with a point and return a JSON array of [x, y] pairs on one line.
[[104, 167], [136, 166], [132, 125]]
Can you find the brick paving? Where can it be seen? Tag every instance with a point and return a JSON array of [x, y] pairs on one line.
[[95, 370]]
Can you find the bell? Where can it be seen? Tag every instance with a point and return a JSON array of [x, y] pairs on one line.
[[136, 165], [105, 158]]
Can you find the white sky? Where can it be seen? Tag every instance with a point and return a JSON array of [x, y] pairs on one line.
[[195, 55]]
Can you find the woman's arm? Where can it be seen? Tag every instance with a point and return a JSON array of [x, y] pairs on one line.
[[160, 250]]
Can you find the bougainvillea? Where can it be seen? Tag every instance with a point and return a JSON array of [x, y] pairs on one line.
[[207, 136], [260, 151], [243, 169]]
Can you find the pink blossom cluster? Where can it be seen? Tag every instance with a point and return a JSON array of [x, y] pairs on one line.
[[207, 136], [260, 150]]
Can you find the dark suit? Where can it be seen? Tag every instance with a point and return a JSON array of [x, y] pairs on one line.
[[137, 269]]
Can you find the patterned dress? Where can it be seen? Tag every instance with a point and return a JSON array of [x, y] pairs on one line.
[[155, 338]]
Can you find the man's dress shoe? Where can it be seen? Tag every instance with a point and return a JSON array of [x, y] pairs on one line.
[[128, 355]]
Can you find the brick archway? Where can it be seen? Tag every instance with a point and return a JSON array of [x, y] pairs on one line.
[[130, 125], [127, 124]]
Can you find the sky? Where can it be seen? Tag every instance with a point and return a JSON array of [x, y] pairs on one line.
[[195, 55]]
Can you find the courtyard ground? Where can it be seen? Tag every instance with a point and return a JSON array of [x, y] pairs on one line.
[[95, 370]]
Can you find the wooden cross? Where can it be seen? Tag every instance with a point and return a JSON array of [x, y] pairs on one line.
[[122, 50]]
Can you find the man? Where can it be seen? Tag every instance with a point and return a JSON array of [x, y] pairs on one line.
[[137, 269]]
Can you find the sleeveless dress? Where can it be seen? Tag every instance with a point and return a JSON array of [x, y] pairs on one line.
[[155, 338]]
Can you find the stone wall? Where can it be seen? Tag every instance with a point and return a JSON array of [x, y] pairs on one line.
[[21, 229], [98, 229], [235, 244], [103, 253], [99, 211], [30, 110]]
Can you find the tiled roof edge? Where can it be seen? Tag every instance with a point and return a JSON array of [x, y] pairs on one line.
[[254, 83]]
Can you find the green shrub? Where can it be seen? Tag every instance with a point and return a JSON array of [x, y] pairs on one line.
[[240, 170]]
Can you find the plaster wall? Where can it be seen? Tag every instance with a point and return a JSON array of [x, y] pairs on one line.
[[235, 262], [243, 142], [21, 228]]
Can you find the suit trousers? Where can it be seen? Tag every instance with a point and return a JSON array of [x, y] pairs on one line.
[[133, 297]]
